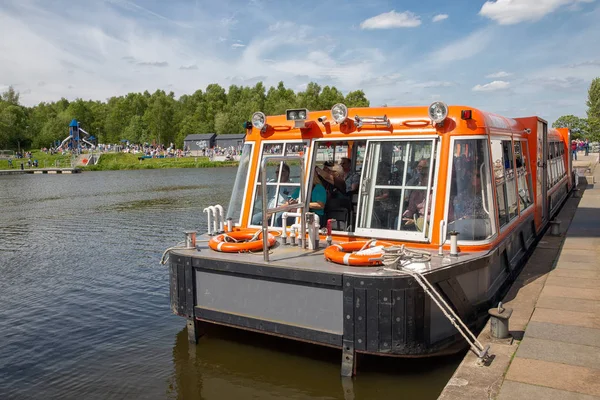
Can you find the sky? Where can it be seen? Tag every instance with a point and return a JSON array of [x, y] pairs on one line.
[[512, 57]]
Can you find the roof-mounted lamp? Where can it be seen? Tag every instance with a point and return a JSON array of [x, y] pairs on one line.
[[438, 111], [339, 113]]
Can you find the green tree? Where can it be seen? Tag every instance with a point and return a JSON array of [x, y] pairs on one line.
[[577, 126], [593, 112], [278, 100], [356, 98], [310, 97], [159, 118], [329, 97]]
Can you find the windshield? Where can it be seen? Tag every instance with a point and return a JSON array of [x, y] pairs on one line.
[[283, 181], [397, 189], [234, 210], [470, 191]]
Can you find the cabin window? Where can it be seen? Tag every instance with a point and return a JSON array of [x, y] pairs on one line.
[[470, 190], [523, 175], [337, 166], [283, 180], [397, 188], [505, 182], [234, 210]]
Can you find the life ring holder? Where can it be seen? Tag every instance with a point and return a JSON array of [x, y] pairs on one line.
[[348, 253], [241, 241]]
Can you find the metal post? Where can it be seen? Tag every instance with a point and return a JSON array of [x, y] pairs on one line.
[[454, 243], [190, 239]]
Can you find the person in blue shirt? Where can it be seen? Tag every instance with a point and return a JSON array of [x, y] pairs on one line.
[[318, 198]]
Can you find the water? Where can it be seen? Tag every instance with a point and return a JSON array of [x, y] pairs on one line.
[[84, 303]]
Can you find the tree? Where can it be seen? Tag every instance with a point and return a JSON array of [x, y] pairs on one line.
[[356, 98], [144, 117], [593, 112], [577, 126], [310, 97], [329, 97]]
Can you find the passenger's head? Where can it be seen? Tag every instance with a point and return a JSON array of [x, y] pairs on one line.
[[423, 166], [316, 178], [346, 164], [285, 172]]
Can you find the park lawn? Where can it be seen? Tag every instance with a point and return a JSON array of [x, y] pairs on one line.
[[44, 160], [128, 161], [118, 161]]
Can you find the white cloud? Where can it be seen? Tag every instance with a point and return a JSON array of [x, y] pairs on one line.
[[507, 12], [491, 87], [238, 45], [463, 48], [499, 74], [439, 17], [392, 19]]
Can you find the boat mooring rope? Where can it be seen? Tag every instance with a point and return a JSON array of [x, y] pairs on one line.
[[397, 258]]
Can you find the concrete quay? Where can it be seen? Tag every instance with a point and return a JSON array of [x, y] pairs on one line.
[[554, 351]]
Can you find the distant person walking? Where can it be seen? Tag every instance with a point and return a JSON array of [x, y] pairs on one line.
[[574, 149]]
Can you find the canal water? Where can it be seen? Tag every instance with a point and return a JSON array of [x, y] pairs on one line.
[[84, 303]]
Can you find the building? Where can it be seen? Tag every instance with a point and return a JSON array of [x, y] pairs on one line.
[[198, 143], [235, 140]]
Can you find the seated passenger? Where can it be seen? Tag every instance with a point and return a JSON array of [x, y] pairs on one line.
[[272, 200], [412, 218], [468, 204], [420, 174], [318, 199]]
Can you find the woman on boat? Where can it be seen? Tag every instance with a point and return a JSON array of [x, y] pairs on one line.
[[318, 198]]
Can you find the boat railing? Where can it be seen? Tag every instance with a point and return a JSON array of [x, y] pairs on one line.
[[301, 204]]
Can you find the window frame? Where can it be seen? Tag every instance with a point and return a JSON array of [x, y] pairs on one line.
[[244, 197], [415, 236], [257, 183], [490, 189]]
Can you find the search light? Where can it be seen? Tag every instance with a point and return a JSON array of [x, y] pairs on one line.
[[259, 120], [339, 112], [438, 111]]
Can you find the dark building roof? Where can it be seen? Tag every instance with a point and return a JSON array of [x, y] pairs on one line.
[[200, 136], [233, 136]]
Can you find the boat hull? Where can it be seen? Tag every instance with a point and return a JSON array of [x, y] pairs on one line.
[[360, 310]]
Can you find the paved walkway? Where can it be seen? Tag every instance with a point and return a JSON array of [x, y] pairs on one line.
[[559, 356], [555, 320]]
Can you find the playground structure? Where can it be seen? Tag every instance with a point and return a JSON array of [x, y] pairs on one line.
[[75, 137]]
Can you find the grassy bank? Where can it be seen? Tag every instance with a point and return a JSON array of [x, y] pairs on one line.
[[121, 161], [118, 161]]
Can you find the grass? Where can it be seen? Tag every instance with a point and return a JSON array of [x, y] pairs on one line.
[[44, 161], [119, 161]]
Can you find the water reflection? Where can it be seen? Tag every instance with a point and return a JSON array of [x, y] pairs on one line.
[[230, 363]]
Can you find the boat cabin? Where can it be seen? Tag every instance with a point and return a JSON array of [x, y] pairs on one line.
[[406, 174]]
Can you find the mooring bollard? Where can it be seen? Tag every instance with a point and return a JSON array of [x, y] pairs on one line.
[[499, 321], [190, 239], [453, 243], [555, 227]]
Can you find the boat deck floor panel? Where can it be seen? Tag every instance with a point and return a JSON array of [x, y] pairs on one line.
[[293, 257]]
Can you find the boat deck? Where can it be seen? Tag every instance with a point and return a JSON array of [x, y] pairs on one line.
[[295, 258]]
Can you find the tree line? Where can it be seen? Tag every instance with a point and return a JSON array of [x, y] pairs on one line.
[[158, 117], [585, 128]]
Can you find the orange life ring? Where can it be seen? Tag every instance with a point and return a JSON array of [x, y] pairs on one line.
[[239, 242], [345, 253]]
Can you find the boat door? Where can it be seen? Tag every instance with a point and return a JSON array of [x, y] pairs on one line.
[[542, 170]]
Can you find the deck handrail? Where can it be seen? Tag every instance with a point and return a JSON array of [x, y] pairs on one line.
[[300, 205]]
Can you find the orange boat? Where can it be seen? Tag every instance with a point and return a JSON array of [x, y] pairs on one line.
[[451, 194]]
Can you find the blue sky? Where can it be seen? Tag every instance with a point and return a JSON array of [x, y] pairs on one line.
[[512, 57]]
